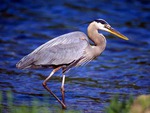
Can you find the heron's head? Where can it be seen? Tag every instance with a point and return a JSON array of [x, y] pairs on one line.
[[103, 25]]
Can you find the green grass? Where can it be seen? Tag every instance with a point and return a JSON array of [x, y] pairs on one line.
[[7, 105], [117, 106], [34, 107]]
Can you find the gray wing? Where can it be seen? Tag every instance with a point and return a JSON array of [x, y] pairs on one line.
[[60, 50]]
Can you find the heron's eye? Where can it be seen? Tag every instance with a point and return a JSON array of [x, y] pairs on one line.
[[107, 26]]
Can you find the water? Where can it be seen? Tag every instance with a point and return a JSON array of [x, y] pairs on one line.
[[123, 68]]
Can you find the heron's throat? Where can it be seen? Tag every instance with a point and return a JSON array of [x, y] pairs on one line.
[[95, 36]]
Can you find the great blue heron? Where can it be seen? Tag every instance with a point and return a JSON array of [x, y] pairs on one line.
[[68, 50]]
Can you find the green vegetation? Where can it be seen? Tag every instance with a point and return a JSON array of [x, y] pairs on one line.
[[139, 105], [117, 106], [34, 107]]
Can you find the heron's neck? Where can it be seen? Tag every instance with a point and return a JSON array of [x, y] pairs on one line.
[[98, 39]]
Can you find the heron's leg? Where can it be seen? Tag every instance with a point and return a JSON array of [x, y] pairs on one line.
[[62, 88], [46, 87]]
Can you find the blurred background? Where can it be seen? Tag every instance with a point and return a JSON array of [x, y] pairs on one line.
[[122, 69]]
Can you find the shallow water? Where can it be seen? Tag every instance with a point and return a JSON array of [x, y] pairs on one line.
[[123, 68]]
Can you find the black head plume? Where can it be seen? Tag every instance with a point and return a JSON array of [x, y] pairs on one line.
[[102, 21]]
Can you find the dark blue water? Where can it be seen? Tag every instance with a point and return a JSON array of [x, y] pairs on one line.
[[123, 68]]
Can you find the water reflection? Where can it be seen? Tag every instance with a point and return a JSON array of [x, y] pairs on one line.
[[122, 69]]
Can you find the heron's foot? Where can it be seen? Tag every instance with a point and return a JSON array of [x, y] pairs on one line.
[[64, 106]]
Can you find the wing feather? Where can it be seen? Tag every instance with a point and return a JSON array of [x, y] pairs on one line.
[[60, 50]]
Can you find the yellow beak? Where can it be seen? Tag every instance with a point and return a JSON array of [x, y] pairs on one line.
[[113, 31]]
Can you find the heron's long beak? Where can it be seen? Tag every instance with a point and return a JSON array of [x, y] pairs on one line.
[[115, 32]]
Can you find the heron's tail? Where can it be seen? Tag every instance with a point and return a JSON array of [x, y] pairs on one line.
[[25, 62]]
